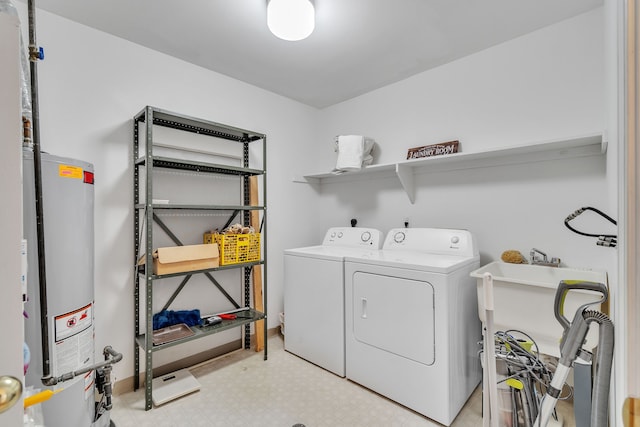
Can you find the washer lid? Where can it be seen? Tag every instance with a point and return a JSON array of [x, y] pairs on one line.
[[434, 263], [336, 253], [341, 241]]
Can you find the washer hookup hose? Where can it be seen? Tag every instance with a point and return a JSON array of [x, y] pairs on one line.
[[607, 240]]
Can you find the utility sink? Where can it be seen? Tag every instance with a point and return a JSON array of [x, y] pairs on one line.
[[524, 296]]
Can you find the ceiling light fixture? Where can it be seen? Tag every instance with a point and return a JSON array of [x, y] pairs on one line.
[[291, 20]]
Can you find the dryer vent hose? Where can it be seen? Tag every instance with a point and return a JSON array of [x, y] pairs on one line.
[[604, 360]]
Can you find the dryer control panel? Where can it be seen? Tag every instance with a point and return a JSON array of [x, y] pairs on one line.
[[358, 237], [431, 240]]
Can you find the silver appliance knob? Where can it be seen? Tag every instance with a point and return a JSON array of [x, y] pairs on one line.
[[340, 234], [455, 239], [366, 236]]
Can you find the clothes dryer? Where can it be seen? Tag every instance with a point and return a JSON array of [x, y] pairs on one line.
[[314, 295], [412, 327]]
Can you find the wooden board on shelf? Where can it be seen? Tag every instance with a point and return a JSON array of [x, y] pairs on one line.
[[257, 269]]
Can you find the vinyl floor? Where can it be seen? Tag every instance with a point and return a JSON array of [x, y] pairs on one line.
[[242, 389]]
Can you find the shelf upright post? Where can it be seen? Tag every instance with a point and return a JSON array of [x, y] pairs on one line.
[[245, 220], [264, 240], [136, 243], [149, 258]]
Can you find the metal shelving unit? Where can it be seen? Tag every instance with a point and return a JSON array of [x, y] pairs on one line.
[[144, 214]]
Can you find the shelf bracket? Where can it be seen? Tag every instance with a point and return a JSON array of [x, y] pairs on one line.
[[405, 175]]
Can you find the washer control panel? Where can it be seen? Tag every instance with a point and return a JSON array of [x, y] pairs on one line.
[[354, 237], [431, 240]]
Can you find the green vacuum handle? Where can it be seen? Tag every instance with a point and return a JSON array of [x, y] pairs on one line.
[[573, 285]]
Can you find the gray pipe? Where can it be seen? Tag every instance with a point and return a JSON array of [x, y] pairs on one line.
[[34, 56], [111, 358], [602, 380]]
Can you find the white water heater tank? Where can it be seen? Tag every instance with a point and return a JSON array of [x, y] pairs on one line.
[[68, 205]]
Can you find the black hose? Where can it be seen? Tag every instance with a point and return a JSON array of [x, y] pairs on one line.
[[37, 172], [599, 212]]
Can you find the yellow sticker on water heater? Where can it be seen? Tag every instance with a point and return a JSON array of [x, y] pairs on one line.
[[67, 171]]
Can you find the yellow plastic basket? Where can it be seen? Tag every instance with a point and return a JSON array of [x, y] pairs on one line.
[[238, 248]]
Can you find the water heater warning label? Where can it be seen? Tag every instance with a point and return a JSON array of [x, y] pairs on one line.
[[67, 171], [73, 323], [74, 340]]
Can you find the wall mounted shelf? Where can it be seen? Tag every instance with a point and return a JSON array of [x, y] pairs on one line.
[[582, 146]]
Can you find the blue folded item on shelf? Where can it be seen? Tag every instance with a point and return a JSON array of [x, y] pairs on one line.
[[169, 317]]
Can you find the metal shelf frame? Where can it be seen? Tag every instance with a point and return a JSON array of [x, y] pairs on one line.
[[143, 208], [171, 163], [168, 206], [201, 331]]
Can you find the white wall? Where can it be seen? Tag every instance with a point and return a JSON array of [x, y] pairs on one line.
[[543, 86], [91, 85]]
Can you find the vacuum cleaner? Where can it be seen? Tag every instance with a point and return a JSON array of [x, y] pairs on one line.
[[513, 373], [571, 351], [519, 389]]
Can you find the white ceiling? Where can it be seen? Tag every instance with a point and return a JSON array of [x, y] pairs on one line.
[[357, 46]]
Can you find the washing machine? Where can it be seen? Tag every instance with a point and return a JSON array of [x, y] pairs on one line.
[[314, 295], [412, 327]]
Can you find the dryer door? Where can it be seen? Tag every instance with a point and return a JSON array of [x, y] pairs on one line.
[[394, 314]]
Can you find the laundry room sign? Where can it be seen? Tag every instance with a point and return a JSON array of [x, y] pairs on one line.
[[449, 147]]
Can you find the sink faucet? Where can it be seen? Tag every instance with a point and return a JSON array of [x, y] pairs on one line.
[[535, 260]]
